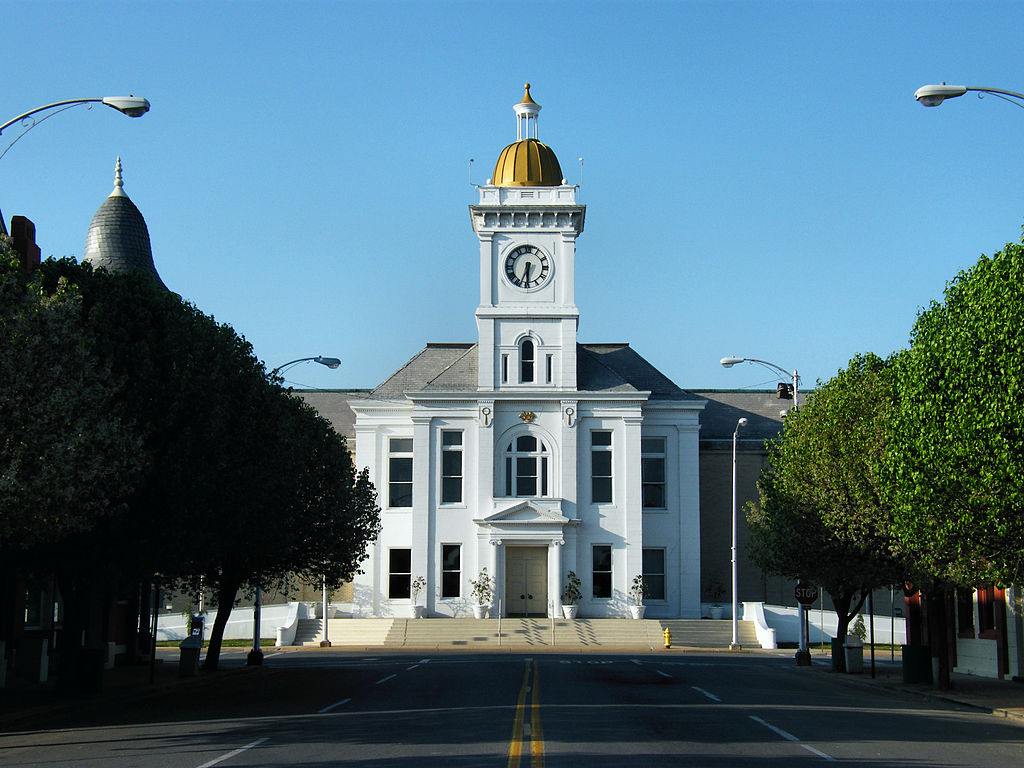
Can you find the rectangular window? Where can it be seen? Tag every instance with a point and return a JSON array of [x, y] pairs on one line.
[[400, 472], [602, 572], [965, 612], [550, 367], [451, 570], [451, 467], [600, 467], [987, 597], [652, 472], [399, 573], [654, 573], [504, 369]]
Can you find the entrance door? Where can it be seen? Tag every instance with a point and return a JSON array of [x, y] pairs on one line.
[[526, 581]]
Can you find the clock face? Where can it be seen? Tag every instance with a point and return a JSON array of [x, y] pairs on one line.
[[527, 267]]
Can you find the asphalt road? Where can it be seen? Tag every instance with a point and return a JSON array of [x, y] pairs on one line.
[[327, 708]]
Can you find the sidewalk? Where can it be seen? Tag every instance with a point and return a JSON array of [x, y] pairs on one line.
[[1003, 698]]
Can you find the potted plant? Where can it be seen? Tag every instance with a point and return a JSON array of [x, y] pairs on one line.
[[637, 594], [482, 590], [716, 592], [415, 587], [571, 595]]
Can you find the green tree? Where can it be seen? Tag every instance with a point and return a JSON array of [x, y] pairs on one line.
[[821, 516], [958, 434]]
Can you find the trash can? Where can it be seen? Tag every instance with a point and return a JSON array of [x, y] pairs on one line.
[[917, 664], [188, 659], [854, 649], [837, 652]]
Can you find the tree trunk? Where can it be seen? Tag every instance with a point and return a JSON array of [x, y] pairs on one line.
[[846, 610], [226, 592]]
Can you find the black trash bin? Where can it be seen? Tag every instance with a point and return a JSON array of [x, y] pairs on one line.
[[89, 673], [188, 658], [917, 664]]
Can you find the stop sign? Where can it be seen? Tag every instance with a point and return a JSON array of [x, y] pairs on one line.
[[805, 594]]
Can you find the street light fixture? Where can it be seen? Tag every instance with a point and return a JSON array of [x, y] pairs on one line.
[[133, 106], [735, 644], [934, 95], [729, 362], [255, 656]]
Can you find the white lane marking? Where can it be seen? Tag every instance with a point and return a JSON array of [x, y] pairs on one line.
[[636, 661], [335, 704], [664, 674], [424, 661], [709, 695], [791, 737], [238, 751], [410, 669], [272, 655], [385, 679]]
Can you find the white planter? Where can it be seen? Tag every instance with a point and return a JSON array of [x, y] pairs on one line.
[[416, 611], [637, 611], [570, 611], [480, 611], [715, 611]]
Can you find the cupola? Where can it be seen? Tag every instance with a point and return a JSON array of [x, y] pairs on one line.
[[527, 162], [118, 239]]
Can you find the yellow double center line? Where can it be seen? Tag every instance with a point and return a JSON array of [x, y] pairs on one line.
[[527, 731]]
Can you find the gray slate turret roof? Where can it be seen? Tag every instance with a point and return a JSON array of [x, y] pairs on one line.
[[118, 239]]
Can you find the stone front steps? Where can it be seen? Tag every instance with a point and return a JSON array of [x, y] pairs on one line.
[[523, 634]]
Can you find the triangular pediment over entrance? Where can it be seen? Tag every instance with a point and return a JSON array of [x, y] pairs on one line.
[[527, 513]]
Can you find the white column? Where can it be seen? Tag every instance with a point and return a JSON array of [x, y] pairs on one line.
[[555, 580]]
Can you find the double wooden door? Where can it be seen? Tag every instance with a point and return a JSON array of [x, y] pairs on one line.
[[526, 581]]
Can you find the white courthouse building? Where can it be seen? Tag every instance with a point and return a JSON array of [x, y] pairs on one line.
[[527, 453]]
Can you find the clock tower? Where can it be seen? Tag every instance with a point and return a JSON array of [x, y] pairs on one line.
[[527, 221]]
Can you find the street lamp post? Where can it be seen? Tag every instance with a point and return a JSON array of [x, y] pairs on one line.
[[735, 644], [255, 656], [934, 95], [133, 106], [729, 362]]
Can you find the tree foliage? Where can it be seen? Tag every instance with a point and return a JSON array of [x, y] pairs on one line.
[[822, 515], [956, 482], [66, 444]]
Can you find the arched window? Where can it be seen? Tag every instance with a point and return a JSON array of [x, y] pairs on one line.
[[526, 361], [527, 460]]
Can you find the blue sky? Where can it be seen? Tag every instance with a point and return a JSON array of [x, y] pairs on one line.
[[759, 180]]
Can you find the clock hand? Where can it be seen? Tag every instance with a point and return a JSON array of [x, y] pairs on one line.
[[526, 273]]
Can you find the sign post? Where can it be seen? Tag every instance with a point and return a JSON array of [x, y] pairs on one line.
[[805, 595]]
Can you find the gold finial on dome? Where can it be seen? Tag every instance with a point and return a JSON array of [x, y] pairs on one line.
[[527, 98]]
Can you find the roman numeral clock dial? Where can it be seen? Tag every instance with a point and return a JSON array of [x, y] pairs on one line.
[[527, 267]]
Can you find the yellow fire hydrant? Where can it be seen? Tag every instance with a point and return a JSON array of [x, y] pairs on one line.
[[668, 638]]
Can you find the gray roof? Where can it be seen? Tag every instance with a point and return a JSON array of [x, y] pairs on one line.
[[600, 368], [333, 405], [118, 238], [726, 407]]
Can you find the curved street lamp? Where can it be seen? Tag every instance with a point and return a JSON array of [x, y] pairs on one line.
[[330, 362], [735, 644], [934, 95], [255, 656], [729, 362], [133, 106]]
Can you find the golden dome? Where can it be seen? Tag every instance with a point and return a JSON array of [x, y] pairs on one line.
[[527, 163]]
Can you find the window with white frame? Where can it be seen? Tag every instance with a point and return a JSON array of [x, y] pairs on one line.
[[600, 466], [400, 472], [652, 472], [601, 574], [451, 570], [399, 573], [527, 461], [654, 574], [451, 467], [527, 359]]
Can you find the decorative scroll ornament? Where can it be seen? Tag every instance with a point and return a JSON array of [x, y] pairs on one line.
[[570, 415], [528, 416], [485, 413]]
